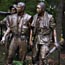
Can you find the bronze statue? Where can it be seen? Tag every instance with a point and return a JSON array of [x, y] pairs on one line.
[[19, 26], [42, 26]]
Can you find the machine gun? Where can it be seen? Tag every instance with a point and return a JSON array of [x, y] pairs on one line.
[[5, 13]]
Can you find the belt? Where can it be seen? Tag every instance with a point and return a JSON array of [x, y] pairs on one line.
[[18, 34], [22, 36], [44, 32]]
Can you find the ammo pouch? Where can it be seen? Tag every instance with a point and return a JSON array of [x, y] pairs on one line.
[[16, 34], [24, 31], [43, 31], [19, 35]]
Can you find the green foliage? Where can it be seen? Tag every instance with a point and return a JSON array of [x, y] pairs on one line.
[[4, 6], [30, 5], [30, 8], [17, 62]]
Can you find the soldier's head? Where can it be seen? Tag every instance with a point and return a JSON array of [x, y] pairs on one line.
[[13, 8], [41, 7], [20, 7]]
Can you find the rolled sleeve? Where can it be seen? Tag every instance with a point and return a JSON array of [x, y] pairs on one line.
[[52, 23]]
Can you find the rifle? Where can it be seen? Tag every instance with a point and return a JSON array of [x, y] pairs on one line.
[[5, 13], [53, 49]]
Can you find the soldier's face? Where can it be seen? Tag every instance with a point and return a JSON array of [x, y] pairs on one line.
[[13, 10], [20, 9], [39, 9]]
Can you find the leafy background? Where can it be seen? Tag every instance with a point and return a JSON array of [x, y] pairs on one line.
[[53, 7]]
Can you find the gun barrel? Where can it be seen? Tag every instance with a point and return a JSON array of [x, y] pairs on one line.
[[5, 13]]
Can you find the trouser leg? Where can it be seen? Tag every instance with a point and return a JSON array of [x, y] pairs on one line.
[[22, 49], [44, 50], [36, 54], [12, 48]]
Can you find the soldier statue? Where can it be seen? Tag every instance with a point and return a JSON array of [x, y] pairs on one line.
[[41, 28], [19, 26]]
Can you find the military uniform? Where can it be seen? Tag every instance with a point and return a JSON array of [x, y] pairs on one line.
[[8, 37], [19, 26], [42, 26]]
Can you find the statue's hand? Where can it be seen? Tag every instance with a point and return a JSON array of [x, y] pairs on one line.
[[3, 40]]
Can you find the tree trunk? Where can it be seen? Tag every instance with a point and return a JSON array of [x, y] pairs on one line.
[[59, 19]]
